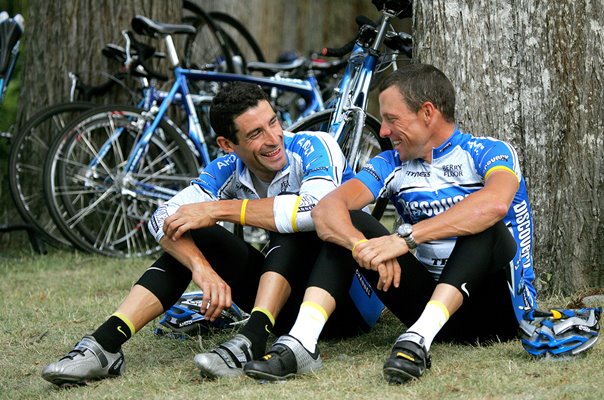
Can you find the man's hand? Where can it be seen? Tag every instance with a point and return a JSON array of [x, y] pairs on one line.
[[188, 217], [379, 254], [216, 292]]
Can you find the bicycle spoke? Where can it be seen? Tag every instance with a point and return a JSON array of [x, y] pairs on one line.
[[75, 219]]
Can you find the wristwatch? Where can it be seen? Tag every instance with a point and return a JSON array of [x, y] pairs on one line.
[[405, 231]]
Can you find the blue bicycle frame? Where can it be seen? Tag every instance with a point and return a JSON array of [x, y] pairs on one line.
[[307, 88], [355, 86]]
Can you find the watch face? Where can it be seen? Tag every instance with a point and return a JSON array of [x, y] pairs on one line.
[[404, 230]]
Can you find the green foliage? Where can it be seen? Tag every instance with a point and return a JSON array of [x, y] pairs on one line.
[[49, 302]]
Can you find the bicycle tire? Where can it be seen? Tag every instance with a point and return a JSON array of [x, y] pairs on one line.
[[99, 209], [207, 46], [27, 149], [238, 37], [372, 144]]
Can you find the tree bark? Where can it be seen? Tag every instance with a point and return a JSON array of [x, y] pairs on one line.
[[64, 36], [530, 72]]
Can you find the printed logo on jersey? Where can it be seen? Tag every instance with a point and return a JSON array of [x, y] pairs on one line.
[[524, 229], [284, 186], [323, 168], [371, 171], [453, 170], [499, 157], [159, 216], [439, 262], [226, 161], [307, 146], [475, 146], [418, 174], [424, 209], [307, 203]]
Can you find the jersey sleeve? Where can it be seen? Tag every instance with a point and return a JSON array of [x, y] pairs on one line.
[[323, 168], [375, 173], [206, 187], [494, 155], [190, 194], [213, 178]]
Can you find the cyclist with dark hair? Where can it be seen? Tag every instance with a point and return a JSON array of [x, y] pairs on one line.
[[459, 267], [269, 179]]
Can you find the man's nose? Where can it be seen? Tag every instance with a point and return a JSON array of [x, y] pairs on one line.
[[384, 131], [274, 135]]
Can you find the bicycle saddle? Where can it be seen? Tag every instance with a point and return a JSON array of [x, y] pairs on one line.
[[148, 27]]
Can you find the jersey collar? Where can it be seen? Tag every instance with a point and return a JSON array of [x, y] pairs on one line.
[[447, 146]]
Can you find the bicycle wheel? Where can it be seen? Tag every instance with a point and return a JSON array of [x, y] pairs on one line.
[[238, 37], [371, 144], [207, 49], [94, 203], [28, 148]]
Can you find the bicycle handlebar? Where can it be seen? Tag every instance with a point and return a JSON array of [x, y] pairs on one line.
[[400, 41], [361, 20]]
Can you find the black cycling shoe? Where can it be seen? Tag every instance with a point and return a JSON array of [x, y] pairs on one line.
[[286, 359], [409, 359]]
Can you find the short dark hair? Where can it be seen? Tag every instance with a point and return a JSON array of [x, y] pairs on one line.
[[419, 83], [231, 101]]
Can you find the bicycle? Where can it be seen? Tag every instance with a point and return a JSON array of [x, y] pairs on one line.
[[356, 131], [31, 143], [107, 215], [108, 170]]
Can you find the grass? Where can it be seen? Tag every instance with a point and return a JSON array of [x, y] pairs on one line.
[[49, 302]]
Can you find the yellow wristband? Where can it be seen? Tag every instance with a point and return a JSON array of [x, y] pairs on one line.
[[242, 214], [357, 243]]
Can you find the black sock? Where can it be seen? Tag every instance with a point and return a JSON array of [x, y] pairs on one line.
[[112, 334], [257, 330]]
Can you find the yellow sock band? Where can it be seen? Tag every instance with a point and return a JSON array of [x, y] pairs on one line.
[[316, 307], [441, 306], [242, 213], [357, 243], [127, 321], [265, 312]]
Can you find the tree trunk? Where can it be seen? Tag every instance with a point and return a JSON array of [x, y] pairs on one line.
[[64, 36], [530, 72]]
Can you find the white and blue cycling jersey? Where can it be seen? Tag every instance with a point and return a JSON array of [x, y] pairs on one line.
[[460, 166], [315, 166]]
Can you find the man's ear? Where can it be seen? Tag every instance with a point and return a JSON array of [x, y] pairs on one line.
[[428, 111], [225, 144]]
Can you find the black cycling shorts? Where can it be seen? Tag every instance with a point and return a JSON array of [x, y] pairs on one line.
[[479, 262]]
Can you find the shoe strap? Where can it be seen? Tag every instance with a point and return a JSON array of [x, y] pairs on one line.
[[235, 356], [414, 350], [90, 344]]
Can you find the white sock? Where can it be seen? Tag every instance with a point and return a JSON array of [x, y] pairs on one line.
[[309, 324], [431, 321]]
